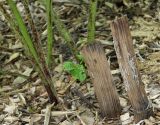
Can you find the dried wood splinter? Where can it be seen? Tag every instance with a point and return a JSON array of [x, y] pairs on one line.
[[99, 71], [127, 62]]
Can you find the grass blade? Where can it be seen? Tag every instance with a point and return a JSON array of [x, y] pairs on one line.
[[91, 20], [36, 38], [13, 26], [49, 32], [63, 31], [23, 30], [39, 61]]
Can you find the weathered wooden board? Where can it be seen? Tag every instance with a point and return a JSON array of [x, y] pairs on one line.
[[127, 62], [99, 71]]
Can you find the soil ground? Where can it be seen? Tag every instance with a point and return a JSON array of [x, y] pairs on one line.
[[24, 101]]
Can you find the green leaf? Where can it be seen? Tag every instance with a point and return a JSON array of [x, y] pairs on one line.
[[76, 70], [68, 66], [82, 77], [79, 73]]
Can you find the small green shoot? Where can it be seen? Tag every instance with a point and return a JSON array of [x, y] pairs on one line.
[[23, 30], [37, 58], [91, 20], [76, 70]]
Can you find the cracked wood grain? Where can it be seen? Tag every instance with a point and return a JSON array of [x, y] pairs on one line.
[[127, 63], [99, 71]]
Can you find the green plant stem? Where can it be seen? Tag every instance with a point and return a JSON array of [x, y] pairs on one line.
[[91, 21], [35, 34], [13, 26], [23, 30], [49, 32], [8, 18], [42, 68], [63, 32]]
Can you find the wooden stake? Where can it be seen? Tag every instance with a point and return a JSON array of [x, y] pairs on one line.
[[127, 62], [99, 71]]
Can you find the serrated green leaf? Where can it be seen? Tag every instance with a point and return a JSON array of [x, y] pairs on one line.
[[68, 66], [78, 74], [82, 77], [76, 70]]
